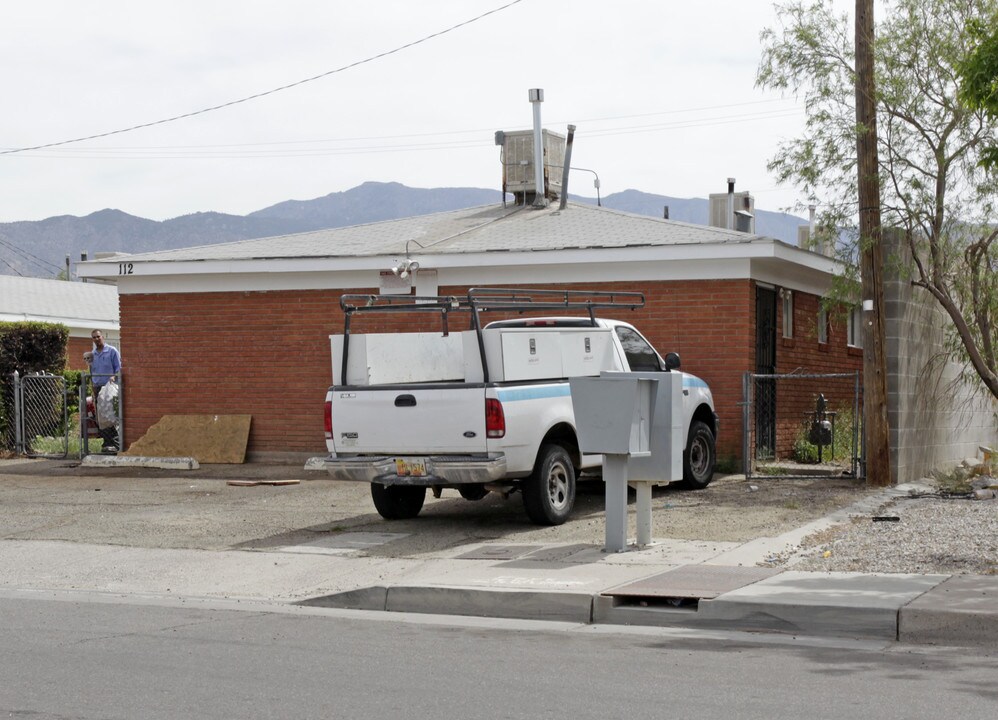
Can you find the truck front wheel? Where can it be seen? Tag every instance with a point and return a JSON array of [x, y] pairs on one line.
[[699, 457], [549, 493], [398, 502]]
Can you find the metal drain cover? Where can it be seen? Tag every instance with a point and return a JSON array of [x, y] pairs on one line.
[[693, 581]]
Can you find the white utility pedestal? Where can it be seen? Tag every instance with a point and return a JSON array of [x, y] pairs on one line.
[[613, 417]]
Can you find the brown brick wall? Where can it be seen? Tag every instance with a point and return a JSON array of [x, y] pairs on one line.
[[74, 352], [267, 353], [795, 399], [259, 353]]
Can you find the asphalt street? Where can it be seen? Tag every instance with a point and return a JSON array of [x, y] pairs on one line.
[[69, 655]]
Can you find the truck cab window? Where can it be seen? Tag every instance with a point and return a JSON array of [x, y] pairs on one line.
[[640, 355]]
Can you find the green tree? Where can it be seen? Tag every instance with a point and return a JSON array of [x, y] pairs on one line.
[[979, 78], [930, 145]]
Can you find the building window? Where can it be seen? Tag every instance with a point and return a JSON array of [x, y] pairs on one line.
[[855, 327], [788, 313], [823, 326]]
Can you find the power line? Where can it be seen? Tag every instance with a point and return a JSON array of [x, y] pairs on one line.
[[267, 92], [448, 133], [12, 267], [281, 149], [40, 262]]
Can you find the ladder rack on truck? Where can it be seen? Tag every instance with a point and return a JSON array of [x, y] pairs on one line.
[[484, 300]]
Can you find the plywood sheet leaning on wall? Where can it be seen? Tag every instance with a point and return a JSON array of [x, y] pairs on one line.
[[206, 438]]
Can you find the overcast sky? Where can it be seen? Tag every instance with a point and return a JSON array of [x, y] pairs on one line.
[[662, 93]]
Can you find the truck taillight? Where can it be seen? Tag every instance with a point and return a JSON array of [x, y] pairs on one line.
[[328, 419], [495, 420]]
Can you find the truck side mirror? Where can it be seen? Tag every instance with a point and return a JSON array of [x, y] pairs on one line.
[[672, 361]]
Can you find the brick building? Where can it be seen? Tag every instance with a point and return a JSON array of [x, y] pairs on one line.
[[244, 327]]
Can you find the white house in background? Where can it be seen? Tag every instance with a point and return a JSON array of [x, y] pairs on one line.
[[80, 306]]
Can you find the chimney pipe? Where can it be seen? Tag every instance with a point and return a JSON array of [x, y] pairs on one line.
[[68, 275], [568, 166], [83, 258], [731, 204], [665, 213], [536, 96]]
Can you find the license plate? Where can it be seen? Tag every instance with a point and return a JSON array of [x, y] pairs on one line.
[[410, 467]]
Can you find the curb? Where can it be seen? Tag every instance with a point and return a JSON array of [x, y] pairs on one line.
[[165, 463]]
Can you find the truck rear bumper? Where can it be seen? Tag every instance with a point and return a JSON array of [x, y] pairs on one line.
[[440, 470]]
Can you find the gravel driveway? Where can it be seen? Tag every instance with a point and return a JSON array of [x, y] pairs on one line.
[[48, 500]]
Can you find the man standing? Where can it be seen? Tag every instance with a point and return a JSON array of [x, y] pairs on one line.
[[105, 365]]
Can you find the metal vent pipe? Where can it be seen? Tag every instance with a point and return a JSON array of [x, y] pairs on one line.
[[568, 166], [730, 224], [536, 98]]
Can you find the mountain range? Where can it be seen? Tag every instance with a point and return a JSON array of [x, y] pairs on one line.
[[39, 248]]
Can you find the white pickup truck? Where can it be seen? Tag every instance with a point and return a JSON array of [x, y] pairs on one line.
[[490, 408]]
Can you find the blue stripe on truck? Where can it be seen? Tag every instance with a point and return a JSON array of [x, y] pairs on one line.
[[564, 390], [534, 393], [692, 381]]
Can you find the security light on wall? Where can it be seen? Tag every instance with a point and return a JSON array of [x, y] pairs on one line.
[[404, 268], [408, 266]]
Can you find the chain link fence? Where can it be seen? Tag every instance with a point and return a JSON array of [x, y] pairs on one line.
[[802, 425], [40, 426]]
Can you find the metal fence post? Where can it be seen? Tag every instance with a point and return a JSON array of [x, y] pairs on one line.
[[746, 420], [121, 412], [84, 444], [18, 416]]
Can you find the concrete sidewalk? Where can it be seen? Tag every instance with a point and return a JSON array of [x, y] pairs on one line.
[[678, 583]]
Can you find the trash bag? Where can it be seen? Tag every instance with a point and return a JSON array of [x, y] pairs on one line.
[[107, 406]]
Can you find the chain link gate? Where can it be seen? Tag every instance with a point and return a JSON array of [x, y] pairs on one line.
[[41, 416], [89, 430], [801, 425]]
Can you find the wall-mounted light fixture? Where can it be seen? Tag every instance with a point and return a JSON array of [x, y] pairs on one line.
[[406, 267]]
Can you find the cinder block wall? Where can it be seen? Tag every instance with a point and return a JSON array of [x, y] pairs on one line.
[[935, 419]]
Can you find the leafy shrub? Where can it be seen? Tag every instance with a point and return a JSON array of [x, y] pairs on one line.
[[27, 347]]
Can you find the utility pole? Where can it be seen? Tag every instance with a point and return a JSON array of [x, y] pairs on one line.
[[877, 451]]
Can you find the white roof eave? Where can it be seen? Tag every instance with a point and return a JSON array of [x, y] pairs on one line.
[[750, 249]]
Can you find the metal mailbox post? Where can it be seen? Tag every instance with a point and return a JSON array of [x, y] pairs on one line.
[[614, 414]]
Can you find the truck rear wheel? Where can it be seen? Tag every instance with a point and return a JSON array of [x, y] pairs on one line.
[[549, 493], [398, 502], [699, 457]]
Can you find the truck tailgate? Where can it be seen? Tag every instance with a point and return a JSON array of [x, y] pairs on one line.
[[407, 419]]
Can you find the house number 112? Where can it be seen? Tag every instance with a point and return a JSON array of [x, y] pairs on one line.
[[125, 268]]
